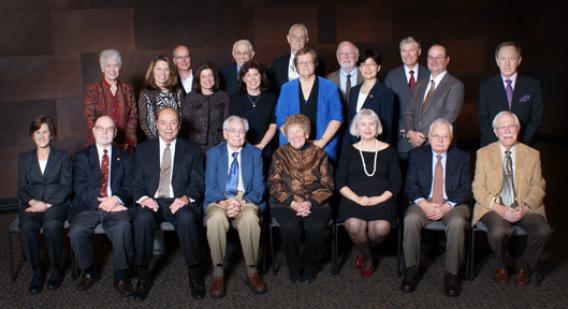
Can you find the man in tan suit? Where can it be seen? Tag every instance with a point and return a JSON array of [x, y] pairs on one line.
[[508, 189]]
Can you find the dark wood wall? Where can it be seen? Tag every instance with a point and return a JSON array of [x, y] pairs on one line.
[[48, 48]]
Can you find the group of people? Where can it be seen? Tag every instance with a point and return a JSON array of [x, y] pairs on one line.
[[209, 159]]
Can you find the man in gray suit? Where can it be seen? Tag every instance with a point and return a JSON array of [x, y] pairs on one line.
[[348, 74], [439, 96], [402, 81]]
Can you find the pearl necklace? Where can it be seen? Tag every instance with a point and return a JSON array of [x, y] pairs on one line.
[[374, 160]]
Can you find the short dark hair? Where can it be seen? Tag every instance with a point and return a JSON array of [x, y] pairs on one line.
[[505, 44], [39, 121], [197, 77], [443, 46], [252, 64], [370, 53]]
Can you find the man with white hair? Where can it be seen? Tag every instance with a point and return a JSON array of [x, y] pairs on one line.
[[242, 52], [509, 190], [348, 74]]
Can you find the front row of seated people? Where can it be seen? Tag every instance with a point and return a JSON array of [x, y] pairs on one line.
[[166, 182]]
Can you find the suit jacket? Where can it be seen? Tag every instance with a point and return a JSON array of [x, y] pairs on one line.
[[396, 81], [187, 169], [334, 78], [280, 71], [228, 78], [488, 181], [381, 100], [419, 176], [53, 186], [87, 178], [216, 173], [445, 102], [526, 104]]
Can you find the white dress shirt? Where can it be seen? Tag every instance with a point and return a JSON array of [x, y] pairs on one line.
[[187, 83], [292, 72], [407, 72], [343, 79]]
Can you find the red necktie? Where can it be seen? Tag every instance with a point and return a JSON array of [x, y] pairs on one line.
[[411, 82], [104, 171]]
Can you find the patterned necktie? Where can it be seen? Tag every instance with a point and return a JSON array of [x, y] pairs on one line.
[[508, 192], [438, 190], [103, 188], [509, 90], [411, 82], [347, 88], [428, 96], [233, 177], [165, 173]]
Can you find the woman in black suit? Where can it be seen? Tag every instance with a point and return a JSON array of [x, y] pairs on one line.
[[44, 187], [371, 94]]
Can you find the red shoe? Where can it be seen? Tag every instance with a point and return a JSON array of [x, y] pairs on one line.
[[366, 273], [359, 261]]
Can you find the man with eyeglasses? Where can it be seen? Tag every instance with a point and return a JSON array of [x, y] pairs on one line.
[[509, 190], [438, 185], [182, 61], [234, 189], [439, 96], [101, 179], [348, 74]]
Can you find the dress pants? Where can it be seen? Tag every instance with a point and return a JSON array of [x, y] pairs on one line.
[[117, 228], [52, 221], [246, 223], [291, 229], [187, 223], [455, 222], [500, 230]]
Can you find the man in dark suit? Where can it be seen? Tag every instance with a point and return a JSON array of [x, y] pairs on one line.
[[438, 185], [509, 91], [242, 52], [168, 183], [182, 61], [234, 186], [439, 96], [402, 81], [101, 178], [348, 74], [283, 68]]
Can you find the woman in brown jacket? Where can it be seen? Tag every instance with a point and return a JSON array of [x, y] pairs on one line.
[[301, 183]]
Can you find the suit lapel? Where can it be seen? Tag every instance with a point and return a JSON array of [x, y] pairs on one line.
[[502, 93], [427, 153], [246, 167], [94, 162], [370, 99], [177, 161], [223, 172], [155, 164], [520, 161], [517, 92], [114, 168], [35, 163]]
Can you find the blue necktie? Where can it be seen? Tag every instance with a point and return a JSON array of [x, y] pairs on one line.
[[233, 178]]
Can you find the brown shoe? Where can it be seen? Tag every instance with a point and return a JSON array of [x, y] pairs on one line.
[[501, 275], [256, 283], [217, 289], [124, 287], [521, 277]]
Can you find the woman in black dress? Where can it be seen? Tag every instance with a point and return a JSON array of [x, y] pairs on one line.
[[368, 178], [44, 188], [255, 103]]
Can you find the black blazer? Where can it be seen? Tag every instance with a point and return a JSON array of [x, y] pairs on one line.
[[53, 187], [280, 71], [187, 178], [87, 178], [381, 101], [526, 104], [228, 78], [420, 174]]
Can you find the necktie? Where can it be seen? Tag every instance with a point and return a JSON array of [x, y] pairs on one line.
[[508, 191], [165, 173], [347, 88], [411, 82], [509, 90], [103, 188], [233, 178], [427, 98], [438, 190]]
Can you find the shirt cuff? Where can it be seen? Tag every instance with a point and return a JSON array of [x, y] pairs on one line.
[[120, 202], [139, 201], [418, 200], [452, 204]]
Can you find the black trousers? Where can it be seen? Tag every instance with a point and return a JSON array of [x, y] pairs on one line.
[[292, 228], [187, 223], [117, 228], [52, 221]]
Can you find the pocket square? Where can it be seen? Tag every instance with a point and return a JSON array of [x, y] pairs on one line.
[[525, 98]]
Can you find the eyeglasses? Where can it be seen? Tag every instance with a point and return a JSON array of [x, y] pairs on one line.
[[236, 132], [442, 137], [305, 63], [507, 128], [182, 57], [437, 58], [100, 129]]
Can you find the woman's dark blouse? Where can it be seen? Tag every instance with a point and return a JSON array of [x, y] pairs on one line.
[[259, 117]]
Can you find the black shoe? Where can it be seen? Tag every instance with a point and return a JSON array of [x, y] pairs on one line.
[[86, 280], [142, 289], [294, 274], [308, 276], [452, 285], [55, 279], [410, 280], [124, 287], [36, 286], [197, 288]]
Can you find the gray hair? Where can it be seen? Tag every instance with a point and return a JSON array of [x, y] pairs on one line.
[[441, 121], [355, 48], [408, 40], [298, 25], [245, 42], [109, 53], [232, 118], [365, 113], [503, 113]]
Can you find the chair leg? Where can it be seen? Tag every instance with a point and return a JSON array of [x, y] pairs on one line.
[[399, 253], [334, 244], [74, 272], [471, 262], [538, 276], [272, 255], [264, 247], [11, 253]]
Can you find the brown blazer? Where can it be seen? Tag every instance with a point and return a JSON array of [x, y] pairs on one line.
[[529, 183]]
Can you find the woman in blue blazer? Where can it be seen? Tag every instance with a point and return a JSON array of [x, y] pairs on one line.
[[44, 187]]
